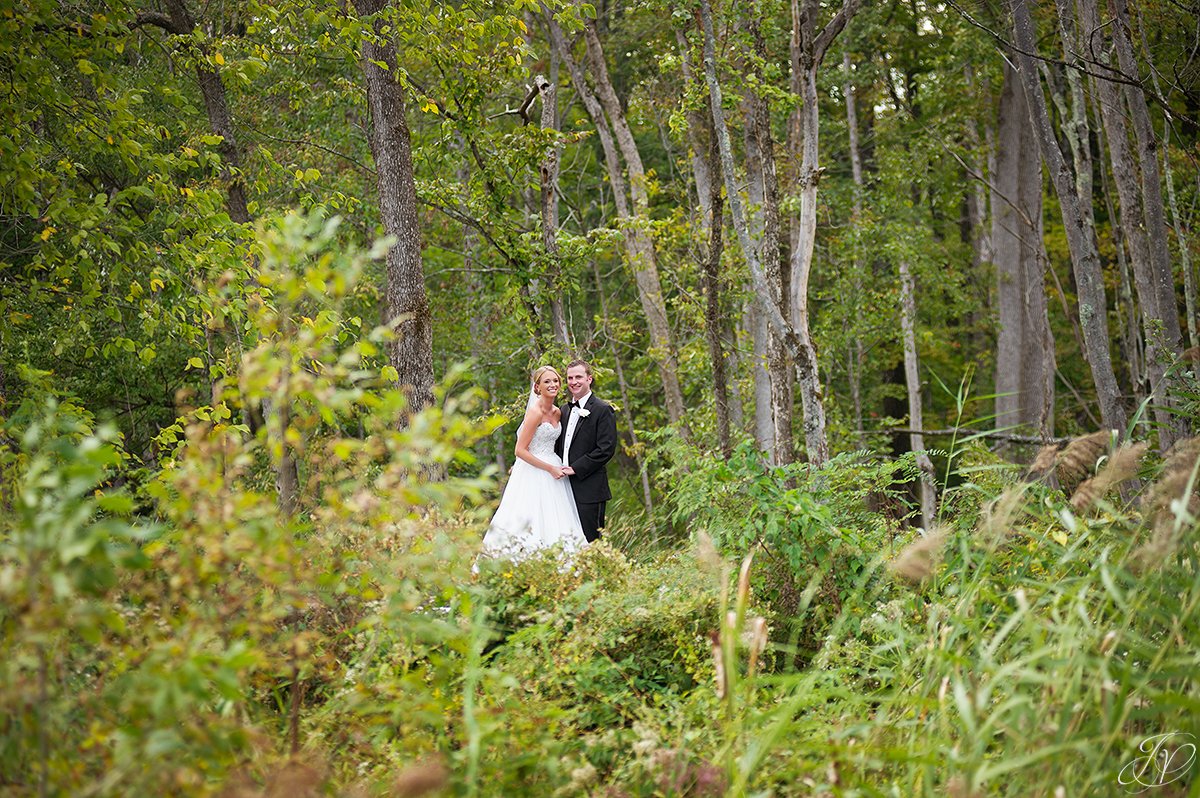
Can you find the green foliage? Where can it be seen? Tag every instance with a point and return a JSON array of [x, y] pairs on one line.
[[169, 626], [603, 638], [817, 527], [157, 651]]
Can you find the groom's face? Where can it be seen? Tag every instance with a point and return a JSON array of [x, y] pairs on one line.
[[579, 382]]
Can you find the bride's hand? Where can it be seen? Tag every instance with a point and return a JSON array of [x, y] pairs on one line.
[[556, 472], [568, 471]]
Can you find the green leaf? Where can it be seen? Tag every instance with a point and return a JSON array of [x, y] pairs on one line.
[[116, 503]]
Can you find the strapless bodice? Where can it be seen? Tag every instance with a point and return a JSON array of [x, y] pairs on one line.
[[544, 436]]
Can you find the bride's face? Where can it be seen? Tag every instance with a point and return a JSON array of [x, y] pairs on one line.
[[548, 385]]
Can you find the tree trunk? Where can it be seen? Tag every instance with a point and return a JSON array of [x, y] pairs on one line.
[[762, 289], [411, 353], [713, 315], [613, 132], [908, 313], [1085, 255], [1160, 320], [1024, 347], [1147, 168], [765, 415], [1128, 334], [703, 156], [981, 240], [978, 219], [808, 48], [855, 357], [764, 420], [1185, 258], [549, 184], [703, 165], [643, 258], [219, 119], [802, 258], [762, 175]]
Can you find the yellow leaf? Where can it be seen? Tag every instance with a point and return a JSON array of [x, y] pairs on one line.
[[109, 139], [430, 106], [521, 25], [220, 59], [49, 231], [155, 284], [299, 174]]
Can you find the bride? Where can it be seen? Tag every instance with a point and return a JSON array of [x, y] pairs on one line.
[[537, 510]]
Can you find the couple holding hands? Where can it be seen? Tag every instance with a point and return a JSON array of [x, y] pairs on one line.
[[558, 487]]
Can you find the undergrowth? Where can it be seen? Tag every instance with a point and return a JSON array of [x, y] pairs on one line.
[[184, 633]]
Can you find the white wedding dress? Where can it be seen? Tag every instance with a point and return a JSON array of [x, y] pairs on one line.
[[536, 511]]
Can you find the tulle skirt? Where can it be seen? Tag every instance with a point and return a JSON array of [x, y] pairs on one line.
[[536, 512]]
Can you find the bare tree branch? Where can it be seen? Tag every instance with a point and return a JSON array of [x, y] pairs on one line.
[[158, 19], [832, 29], [1112, 75]]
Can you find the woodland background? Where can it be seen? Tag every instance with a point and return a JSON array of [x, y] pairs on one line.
[[896, 301]]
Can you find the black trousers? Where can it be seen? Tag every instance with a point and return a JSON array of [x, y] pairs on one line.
[[591, 518]]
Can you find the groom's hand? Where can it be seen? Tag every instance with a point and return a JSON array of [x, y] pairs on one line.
[[568, 471]]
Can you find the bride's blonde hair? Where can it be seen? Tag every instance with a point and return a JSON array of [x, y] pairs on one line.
[[537, 377]]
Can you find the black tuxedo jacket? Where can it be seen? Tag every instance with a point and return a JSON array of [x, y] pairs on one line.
[[594, 444]]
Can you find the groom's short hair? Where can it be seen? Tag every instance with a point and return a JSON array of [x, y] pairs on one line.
[[587, 367]]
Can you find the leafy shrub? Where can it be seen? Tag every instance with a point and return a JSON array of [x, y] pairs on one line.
[[160, 658], [818, 528], [600, 636], [617, 660]]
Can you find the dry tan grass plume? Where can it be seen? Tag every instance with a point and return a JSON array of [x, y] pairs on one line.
[[1043, 464], [1120, 467], [919, 559], [421, 779], [1077, 461], [1172, 484]]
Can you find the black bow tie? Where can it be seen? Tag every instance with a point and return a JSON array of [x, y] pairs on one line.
[[573, 403]]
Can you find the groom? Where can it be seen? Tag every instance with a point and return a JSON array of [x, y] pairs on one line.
[[587, 444]]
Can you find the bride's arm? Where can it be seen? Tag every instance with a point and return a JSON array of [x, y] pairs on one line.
[[528, 427]]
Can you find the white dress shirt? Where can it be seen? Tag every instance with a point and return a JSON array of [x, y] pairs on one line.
[[571, 424]]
